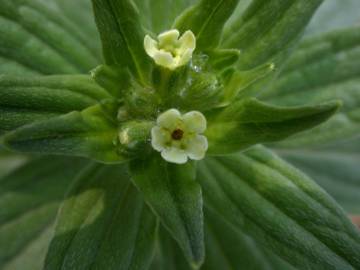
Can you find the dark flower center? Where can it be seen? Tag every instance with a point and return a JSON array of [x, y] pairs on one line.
[[177, 134]]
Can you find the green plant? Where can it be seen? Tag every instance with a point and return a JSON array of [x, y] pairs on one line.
[[101, 195]]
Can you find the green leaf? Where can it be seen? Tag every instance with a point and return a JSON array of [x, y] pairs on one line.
[[38, 39], [168, 254], [112, 78], [227, 248], [36, 18], [91, 133], [239, 83], [222, 59], [29, 198], [206, 20], [175, 197], [25, 100], [249, 121], [150, 11], [9, 66], [323, 68], [268, 29], [335, 168], [334, 14], [103, 224], [81, 24], [281, 208], [9, 161], [122, 36]]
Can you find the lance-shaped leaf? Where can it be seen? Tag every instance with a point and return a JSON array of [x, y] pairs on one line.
[[249, 121], [122, 36], [33, 49], [228, 248], [81, 24], [334, 167], [240, 82], [222, 59], [150, 10], [334, 15], [268, 29], [323, 68], [91, 133], [29, 200], [9, 161], [281, 208], [38, 20], [175, 197], [168, 254], [103, 224], [112, 78], [25, 100], [206, 20]]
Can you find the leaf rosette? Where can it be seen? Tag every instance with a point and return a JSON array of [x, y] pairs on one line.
[[167, 124]]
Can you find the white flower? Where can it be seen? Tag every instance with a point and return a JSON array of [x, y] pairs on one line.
[[178, 137], [170, 51]]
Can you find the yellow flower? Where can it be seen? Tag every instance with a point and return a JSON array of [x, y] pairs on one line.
[[178, 137], [170, 51]]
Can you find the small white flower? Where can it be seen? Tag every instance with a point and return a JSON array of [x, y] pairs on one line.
[[178, 137], [170, 51]]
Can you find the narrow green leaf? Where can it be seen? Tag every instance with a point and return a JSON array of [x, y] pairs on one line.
[[29, 199], [9, 161], [240, 81], [249, 121], [267, 29], [122, 36], [175, 197], [104, 224], [80, 24], [150, 10], [21, 46], [25, 100], [34, 17], [281, 208], [227, 248], [11, 67], [168, 254], [334, 167], [91, 133], [206, 20], [222, 59], [323, 68], [334, 14], [112, 78]]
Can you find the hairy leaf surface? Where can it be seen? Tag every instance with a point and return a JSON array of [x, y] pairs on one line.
[[104, 213], [249, 121], [175, 197], [281, 208]]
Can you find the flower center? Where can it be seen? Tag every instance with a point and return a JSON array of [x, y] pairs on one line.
[[177, 134]]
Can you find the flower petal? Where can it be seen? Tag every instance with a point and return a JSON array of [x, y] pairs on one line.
[[184, 58], [165, 59], [168, 38], [197, 147], [150, 46], [174, 155], [159, 138], [169, 119], [187, 42], [194, 122]]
